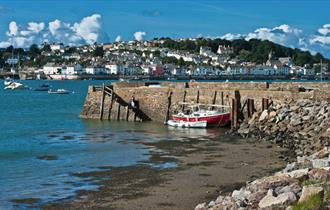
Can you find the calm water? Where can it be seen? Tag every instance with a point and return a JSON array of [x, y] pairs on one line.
[[43, 141]]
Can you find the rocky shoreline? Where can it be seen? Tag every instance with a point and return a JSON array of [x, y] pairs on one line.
[[304, 128], [304, 184]]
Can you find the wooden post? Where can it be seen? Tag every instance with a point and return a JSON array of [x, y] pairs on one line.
[[234, 113], [184, 99], [169, 101], [110, 106], [197, 100], [214, 99], [118, 111], [102, 103], [127, 112], [264, 104], [222, 102], [239, 105], [250, 107]]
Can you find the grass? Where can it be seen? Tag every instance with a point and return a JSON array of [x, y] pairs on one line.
[[314, 202]]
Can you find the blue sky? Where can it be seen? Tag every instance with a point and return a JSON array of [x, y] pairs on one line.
[[156, 18]]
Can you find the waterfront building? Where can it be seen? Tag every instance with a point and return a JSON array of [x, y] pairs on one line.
[[72, 69], [95, 70], [115, 69], [157, 70], [52, 68]]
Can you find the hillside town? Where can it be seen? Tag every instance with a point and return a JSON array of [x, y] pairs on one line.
[[149, 59]]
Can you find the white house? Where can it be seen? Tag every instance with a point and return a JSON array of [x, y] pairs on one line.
[[57, 47], [73, 69], [95, 70], [309, 72], [116, 69], [51, 68]]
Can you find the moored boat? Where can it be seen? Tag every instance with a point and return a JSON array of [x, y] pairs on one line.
[[42, 87], [59, 91], [8, 81], [15, 85], [214, 115], [187, 124]]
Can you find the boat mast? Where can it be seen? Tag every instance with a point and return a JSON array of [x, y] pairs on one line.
[[321, 71]]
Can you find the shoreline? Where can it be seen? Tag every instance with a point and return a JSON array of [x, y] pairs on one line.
[[204, 168]]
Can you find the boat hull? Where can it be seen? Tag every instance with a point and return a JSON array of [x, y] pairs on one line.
[[186, 124], [214, 120]]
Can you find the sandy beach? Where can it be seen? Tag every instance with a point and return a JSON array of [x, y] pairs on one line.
[[205, 168]]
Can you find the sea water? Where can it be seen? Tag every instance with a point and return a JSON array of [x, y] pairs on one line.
[[43, 142]]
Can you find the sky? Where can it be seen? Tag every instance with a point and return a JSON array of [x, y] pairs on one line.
[[303, 24]]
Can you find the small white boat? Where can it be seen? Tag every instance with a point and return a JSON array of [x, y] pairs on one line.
[[59, 91], [15, 85], [187, 124], [8, 81]]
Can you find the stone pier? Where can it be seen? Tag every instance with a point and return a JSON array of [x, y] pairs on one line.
[[153, 97]]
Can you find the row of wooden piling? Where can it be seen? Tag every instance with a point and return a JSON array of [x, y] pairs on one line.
[[237, 111], [107, 90]]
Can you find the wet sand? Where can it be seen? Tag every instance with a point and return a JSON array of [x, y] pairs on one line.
[[204, 169]]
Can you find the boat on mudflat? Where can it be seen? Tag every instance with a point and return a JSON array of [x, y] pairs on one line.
[[59, 91], [214, 115], [187, 124]]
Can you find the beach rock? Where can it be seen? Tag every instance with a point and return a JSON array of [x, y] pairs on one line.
[[295, 188], [270, 182], [319, 163], [279, 202], [201, 206], [321, 154], [290, 167], [298, 174], [272, 114], [263, 115], [241, 194], [319, 174], [308, 191]]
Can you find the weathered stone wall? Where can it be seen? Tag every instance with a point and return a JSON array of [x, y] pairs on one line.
[[153, 100]]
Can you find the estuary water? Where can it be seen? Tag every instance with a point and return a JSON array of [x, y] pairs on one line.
[[43, 142]]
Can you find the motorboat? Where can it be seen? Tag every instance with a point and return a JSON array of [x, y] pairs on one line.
[[42, 87], [214, 115], [8, 81], [15, 85], [187, 124], [59, 91]]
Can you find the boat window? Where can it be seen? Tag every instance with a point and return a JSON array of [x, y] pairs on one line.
[[196, 115]]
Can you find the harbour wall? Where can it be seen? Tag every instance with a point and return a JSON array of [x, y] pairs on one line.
[[153, 97]]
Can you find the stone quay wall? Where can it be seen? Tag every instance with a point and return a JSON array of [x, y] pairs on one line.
[[153, 96]]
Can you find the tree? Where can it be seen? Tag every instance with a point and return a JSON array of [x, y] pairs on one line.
[[34, 50], [98, 51], [46, 48]]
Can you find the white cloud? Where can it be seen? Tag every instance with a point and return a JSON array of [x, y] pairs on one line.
[[88, 28], [325, 30], [54, 26], [231, 36], [13, 29], [36, 27], [86, 31], [139, 35], [291, 37], [320, 39], [118, 39]]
